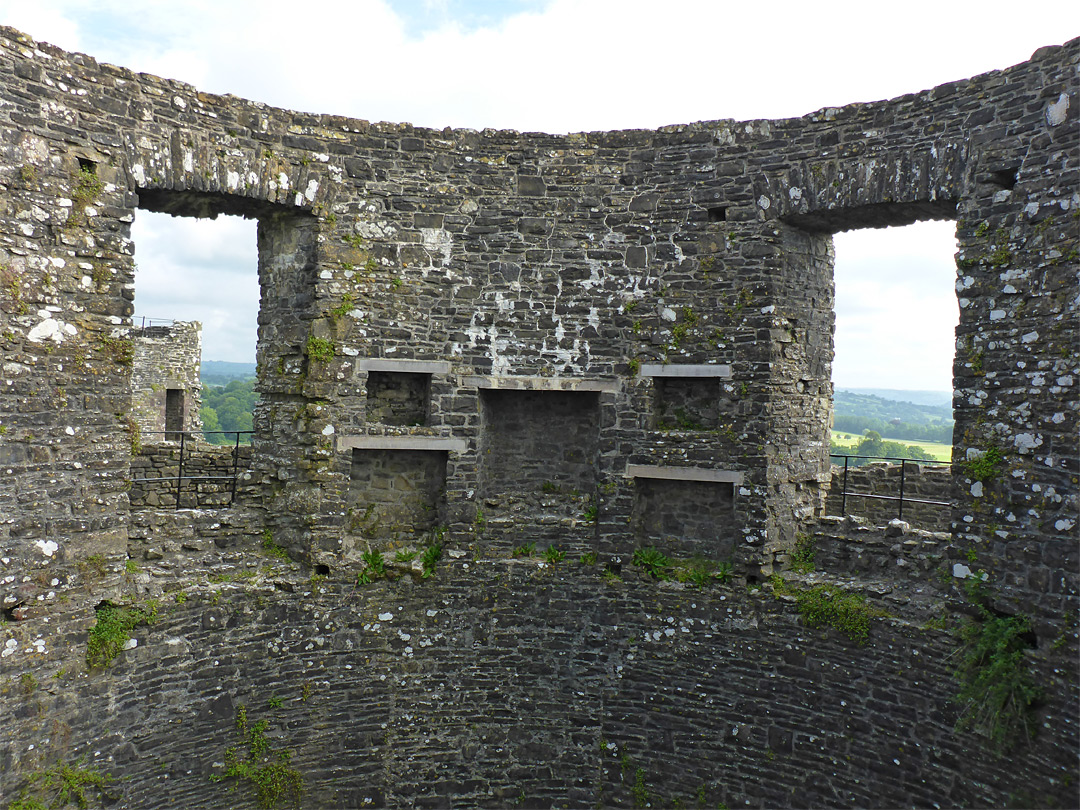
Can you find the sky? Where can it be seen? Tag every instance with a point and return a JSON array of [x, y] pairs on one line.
[[563, 66]]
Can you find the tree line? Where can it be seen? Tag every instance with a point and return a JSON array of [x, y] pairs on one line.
[[873, 445], [228, 407], [932, 432]]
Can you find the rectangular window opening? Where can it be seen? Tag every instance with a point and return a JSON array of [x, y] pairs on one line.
[[398, 398], [690, 403], [174, 414]]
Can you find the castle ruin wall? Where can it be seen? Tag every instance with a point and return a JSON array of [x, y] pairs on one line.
[[434, 305]]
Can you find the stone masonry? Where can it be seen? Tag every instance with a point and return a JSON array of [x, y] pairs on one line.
[[166, 389], [601, 342]]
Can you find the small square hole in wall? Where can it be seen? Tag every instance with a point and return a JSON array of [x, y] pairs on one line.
[[1005, 178], [689, 403], [87, 165], [398, 398], [718, 213]]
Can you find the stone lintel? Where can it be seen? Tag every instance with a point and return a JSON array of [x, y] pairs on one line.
[[402, 365], [443, 443], [684, 473], [685, 370], [540, 383]]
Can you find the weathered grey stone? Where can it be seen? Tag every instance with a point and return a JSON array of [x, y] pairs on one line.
[[542, 273]]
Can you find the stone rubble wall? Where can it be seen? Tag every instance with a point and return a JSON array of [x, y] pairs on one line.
[[165, 357], [154, 476], [500, 264], [398, 693], [925, 482]]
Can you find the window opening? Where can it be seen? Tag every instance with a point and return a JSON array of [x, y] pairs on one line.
[[174, 414], [398, 398], [896, 318], [191, 269]]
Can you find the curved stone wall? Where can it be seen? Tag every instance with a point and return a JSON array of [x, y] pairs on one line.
[[607, 273]]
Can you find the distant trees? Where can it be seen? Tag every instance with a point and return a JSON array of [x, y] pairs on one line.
[[871, 444], [228, 407], [932, 432]]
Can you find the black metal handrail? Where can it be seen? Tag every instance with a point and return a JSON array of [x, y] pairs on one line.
[[900, 499], [181, 478], [144, 322]]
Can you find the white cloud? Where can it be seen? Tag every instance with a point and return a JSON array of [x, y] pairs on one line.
[[200, 270], [569, 65], [896, 310]]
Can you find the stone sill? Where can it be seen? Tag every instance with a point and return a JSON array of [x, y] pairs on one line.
[[684, 474], [541, 384], [402, 365], [685, 370], [435, 443]]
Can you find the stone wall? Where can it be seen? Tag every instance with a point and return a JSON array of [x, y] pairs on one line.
[[922, 482], [686, 518], [208, 476], [398, 494], [166, 392], [585, 276], [500, 682]]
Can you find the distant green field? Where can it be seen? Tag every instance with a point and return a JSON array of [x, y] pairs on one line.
[[940, 451]]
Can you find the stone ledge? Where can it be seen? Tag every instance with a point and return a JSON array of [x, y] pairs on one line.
[[684, 473], [685, 370], [402, 443], [402, 365], [540, 383]]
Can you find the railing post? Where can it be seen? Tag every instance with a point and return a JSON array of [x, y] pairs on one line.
[[900, 512], [843, 493], [235, 468], [180, 469]]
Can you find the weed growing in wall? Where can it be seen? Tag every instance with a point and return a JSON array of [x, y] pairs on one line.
[[997, 688], [264, 769], [374, 567], [320, 349], [987, 467], [273, 549], [11, 287], [120, 350], [134, 432], [591, 513], [430, 558], [828, 606], [697, 571], [802, 556], [639, 791], [64, 785], [654, 561], [88, 186], [554, 555], [113, 629]]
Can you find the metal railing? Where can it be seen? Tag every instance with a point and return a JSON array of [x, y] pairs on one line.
[[145, 323], [182, 437], [900, 499]]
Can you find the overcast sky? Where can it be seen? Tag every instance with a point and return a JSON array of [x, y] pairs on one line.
[[563, 66]]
